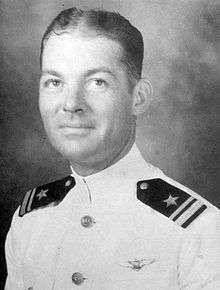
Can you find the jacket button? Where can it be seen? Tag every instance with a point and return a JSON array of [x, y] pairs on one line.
[[144, 185], [87, 221], [77, 278]]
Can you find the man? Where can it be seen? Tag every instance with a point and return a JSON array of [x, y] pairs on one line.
[[116, 222]]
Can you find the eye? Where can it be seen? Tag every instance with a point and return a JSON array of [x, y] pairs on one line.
[[53, 84], [99, 82], [96, 84]]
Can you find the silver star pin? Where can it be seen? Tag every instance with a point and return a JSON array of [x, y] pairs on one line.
[[171, 200], [42, 193]]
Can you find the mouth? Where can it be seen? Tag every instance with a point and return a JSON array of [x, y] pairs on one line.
[[76, 129], [76, 126]]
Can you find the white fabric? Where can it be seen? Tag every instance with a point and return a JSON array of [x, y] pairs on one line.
[[46, 246]]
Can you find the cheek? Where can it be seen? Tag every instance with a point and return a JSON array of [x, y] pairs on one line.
[[122, 109], [47, 105], [47, 113], [117, 117], [43, 103]]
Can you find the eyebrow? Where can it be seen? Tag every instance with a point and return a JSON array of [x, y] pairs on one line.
[[87, 74], [51, 72], [98, 70]]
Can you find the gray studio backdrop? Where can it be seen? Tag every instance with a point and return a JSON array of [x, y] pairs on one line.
[[178, 133]]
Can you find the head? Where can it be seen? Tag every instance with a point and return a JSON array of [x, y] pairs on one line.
[[91, 89], [108, 24]]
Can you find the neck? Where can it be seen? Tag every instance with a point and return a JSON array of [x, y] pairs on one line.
[[83, 169]]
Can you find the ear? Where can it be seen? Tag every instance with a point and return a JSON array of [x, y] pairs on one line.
[[142, 94]]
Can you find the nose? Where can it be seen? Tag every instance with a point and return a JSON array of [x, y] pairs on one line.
[[74, 101]]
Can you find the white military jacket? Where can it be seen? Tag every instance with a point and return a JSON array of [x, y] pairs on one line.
[[128, 227]]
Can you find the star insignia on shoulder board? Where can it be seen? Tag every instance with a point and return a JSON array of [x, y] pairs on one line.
[[41, 194], [171, 200]]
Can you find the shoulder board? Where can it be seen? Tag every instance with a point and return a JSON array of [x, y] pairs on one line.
[[176, 204], [49, 194]]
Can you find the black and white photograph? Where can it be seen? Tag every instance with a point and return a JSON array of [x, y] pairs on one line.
[[109, 145]]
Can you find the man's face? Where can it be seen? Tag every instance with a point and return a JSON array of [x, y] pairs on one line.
[[85, 99]]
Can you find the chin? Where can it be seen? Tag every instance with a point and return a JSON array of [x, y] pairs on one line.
[[76, 151]]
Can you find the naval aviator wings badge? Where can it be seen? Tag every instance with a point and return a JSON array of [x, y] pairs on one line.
[[137, 264]]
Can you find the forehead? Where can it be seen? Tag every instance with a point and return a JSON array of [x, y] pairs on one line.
[[78, 50]]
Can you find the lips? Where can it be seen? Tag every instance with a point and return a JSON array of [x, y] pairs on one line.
[[75, 130], [76, 126]]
